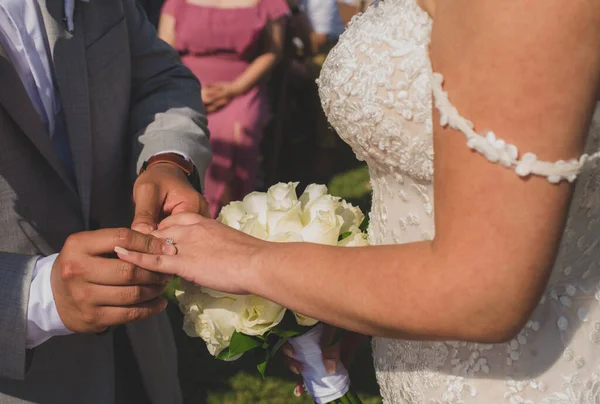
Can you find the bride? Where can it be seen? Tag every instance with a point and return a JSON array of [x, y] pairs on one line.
[[513, 272]]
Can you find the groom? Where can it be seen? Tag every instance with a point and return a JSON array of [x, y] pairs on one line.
[[90, 102]]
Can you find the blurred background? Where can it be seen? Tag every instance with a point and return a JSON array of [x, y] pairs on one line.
[[286, 139]]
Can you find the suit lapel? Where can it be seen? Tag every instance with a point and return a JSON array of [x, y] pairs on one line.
[[70, 69], [17, 103]]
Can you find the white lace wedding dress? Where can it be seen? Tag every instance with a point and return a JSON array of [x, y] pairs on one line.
[[377, 89]]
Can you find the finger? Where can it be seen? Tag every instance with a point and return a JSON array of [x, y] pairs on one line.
[[121, 315], [288, 350], [175, 233], [205, 209], [147, 208], [331, 353], [171, 265], [190, 204], [331, 357], [115, 272], [293, 365], [119, 296], [180, 219], [104, 241], [207, 100], [144, 243], [221, 102], [299, 389]]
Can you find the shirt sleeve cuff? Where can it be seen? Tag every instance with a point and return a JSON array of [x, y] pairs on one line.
[[185, 156], [43, 321]]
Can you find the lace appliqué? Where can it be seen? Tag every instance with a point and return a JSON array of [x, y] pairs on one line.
[[375, 88], [497, 150]]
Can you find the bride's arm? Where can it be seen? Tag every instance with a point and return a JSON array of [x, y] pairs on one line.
[[529, 70]]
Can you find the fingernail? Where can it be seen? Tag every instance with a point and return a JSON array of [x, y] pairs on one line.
[[169, 249], [294, 369], [121, 251], [297, 391], [330, 366], [287, 351]]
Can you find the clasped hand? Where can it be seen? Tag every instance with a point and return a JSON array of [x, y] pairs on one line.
[[218, 95], [93, 290], [221, 258]]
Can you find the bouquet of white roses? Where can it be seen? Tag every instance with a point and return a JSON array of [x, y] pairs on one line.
[[233, 325]]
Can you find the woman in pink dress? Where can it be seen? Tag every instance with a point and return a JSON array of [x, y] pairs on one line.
[[230, 45]]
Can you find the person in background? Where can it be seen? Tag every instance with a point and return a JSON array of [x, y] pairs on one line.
[[325, 21], [316, 26], [231, 47]]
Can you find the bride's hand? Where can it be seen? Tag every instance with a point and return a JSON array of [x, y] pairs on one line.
[[333, 350], [208, 253]]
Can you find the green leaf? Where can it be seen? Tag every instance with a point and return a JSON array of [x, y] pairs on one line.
[[349, 398], [352, 397], [289, 327], [225, 355], [345, 235], [169, 292], [262, 368], [287, 333], [239, 345], [277, 347]]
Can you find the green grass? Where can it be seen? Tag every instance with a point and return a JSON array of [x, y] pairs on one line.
[[205, 380]]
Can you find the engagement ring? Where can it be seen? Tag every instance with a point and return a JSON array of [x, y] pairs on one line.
[[170, 241]]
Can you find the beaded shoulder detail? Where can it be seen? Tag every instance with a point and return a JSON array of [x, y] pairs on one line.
[[497, 150]]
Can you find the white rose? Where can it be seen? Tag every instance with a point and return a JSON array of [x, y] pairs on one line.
[[216, 294], [355, 240], [325, 203], [324, 229], [251, 225], [286, 238], [256, 203], [285, 221], [352, 216], [305, 321], [282, 196], [257, 315], [231, 214], [311, 193], [213, 320]]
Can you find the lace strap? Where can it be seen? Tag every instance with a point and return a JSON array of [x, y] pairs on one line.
[[497, 150]]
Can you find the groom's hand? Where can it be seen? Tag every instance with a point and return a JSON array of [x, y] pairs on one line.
[[93, 292], [163, 190]]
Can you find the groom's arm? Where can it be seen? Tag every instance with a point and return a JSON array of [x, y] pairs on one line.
[[167, 114]]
